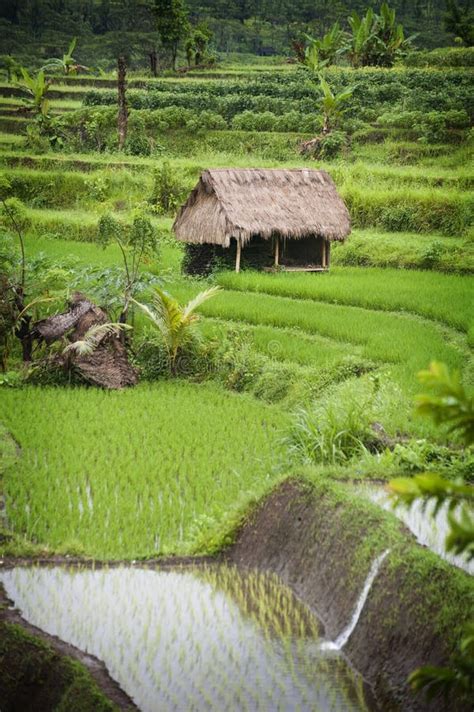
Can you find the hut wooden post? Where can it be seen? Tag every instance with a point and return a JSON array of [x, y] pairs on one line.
[[277, 251], [328, 253], [324, 254], [237, 257]]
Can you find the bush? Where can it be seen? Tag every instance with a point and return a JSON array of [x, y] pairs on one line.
[[449, 213], [93, 129], [328, 435], [206, 121], [251, 121], [431, 126], [137, 143], [441, 57], [333, 144], [36, 140], [432, 255], [152, 358], [47, 189], [167, 190], [423, 456]]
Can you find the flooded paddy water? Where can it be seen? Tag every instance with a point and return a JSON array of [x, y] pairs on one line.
[[200, 638], [429, 524]]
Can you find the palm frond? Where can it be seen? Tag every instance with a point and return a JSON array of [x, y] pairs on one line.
[[156, 317], [93, 337], [199, 299]]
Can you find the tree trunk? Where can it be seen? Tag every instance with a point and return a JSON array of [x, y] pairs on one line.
[[122, 102], [153, 62], [174, 55], [23, 328]]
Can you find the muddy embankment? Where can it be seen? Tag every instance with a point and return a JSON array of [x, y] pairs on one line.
[[321, 542], [40, 673]]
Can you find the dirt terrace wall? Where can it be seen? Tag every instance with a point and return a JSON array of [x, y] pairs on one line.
[[321, 544], [40, 673]]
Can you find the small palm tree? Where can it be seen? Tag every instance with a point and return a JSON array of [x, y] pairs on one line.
[[175, 323]]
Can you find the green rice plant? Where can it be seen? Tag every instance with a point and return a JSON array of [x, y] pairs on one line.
[[174, 451], [445, 298]]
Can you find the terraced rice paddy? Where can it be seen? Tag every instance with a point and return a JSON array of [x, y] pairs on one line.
[[208, 638], [173, 466]]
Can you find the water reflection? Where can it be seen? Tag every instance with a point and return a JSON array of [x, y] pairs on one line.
[[430, 526], [201, 639]]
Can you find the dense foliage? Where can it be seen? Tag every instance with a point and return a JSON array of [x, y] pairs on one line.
[[139, 29]]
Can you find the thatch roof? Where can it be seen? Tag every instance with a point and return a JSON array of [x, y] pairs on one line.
[[241, 203]]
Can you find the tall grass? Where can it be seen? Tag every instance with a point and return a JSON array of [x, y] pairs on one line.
[[128, 474], [286, 344], [375, 248]]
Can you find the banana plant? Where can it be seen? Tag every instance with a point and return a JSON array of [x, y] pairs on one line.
[[332, 105], [66, 64], [37, 88], [377, 39], [174, 322], [320, 52]]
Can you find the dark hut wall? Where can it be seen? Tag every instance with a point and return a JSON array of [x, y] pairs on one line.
[[204, 259], [307, 251], [256, 254]]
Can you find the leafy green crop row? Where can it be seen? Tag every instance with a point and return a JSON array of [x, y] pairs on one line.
[[448, 212]]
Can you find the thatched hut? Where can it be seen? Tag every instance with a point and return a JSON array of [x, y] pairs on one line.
[[266, 218]]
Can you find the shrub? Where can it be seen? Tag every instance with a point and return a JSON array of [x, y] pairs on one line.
[[432, 254], [423, 456], [137, 143], [329, 435], [251, 121], [441, 57], [167, 190], [151, 357], [449, 213], [206, 121], [333, 144]]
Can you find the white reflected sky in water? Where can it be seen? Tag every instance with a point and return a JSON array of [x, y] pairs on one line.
[[174, 642], [431, 531]]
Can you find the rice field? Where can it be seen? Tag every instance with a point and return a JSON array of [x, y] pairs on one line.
[[134, 473], [445, 298], [157, 469], [387, 337]]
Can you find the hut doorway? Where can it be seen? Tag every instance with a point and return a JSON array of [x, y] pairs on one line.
[[307, 253]]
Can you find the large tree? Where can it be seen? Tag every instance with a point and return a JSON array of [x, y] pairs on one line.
[[172, 25], [459, 19]]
